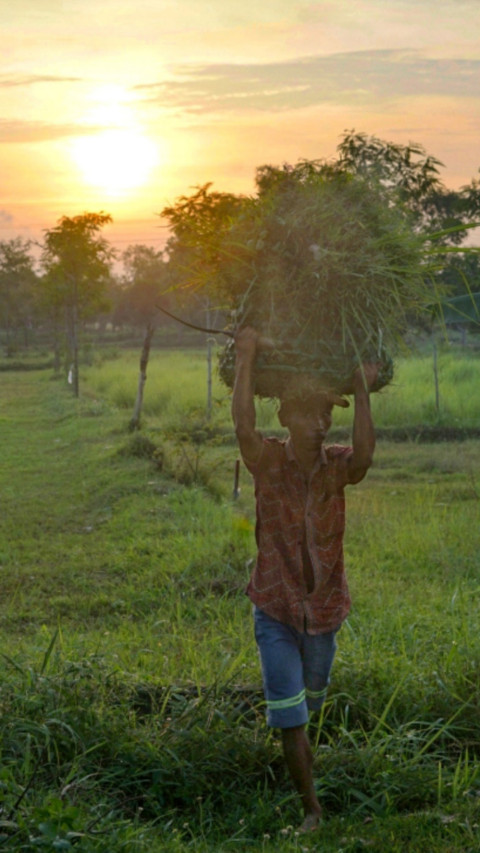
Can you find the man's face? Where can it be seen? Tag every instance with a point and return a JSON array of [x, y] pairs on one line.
[[307, 422]]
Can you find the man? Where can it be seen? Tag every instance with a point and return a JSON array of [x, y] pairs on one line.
[[298, 586]]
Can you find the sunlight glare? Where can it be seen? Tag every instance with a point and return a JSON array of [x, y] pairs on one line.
[[115, 161]]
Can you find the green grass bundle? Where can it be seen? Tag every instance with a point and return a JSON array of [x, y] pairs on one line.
[[323, 265]]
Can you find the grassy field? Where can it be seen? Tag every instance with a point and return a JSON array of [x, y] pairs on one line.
[[410, 399], [130, 713]]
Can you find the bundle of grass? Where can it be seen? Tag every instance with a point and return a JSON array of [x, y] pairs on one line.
[[326, 268]]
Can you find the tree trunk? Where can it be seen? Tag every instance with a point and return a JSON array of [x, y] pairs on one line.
[[135, 419]]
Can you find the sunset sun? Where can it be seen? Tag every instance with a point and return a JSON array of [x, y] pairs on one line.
[[115, 161]]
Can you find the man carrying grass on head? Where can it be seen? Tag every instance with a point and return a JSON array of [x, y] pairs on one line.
[[298, 587]]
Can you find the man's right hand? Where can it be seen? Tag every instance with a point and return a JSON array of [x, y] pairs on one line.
[[247, 343]]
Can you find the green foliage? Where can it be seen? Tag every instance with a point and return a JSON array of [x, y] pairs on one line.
[[322, 246], [461, 274], [140, 446], [411, 177], [404, 171], [462, 309], [77, 270], [17, 284], [331, 261], [77, 263], [198, 223], [143, 281]]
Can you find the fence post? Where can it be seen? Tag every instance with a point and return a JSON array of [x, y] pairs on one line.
[[435, 376]]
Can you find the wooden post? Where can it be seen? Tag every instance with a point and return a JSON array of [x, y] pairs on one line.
[[76, 383], [209, 377], [209, 365], [142, 378], [236, 479], [435, 376]]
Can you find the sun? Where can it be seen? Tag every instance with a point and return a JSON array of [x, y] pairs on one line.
[[115, 161]]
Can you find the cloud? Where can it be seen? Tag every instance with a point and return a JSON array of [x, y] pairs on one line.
[[6, 218], [354, 78], [8, 81], [16, 131]]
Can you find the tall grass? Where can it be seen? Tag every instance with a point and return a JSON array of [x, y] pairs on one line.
[[412, 400], [176, 386]]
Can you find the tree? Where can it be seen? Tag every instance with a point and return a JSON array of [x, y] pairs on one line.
[[411, 178], [77, 266], [408, 178], [143, 283], [311, 224], [199, 223], [141, 286], [462, 273], [17, 281]]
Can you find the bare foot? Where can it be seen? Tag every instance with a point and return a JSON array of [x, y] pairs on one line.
[[311, 821]]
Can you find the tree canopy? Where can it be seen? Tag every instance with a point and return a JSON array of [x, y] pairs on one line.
[[142, 283], [206, 241], [77, 262], [411, 177], [17, 280], [77, 270], [405, 176], [198, 224]]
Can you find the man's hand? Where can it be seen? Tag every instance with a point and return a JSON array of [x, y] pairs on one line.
[[246, 343], [363, 433], [365, 376]]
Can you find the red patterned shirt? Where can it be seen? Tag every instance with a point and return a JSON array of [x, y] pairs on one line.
[[293, 515]]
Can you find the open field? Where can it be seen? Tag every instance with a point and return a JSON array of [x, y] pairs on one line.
[[129, 685]]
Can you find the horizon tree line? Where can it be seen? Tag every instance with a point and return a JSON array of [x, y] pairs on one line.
[[74, 281]]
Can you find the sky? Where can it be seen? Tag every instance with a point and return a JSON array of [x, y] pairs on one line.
[[124, 106]]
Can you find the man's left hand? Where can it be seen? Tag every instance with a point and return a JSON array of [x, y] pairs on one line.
[[365, 376]]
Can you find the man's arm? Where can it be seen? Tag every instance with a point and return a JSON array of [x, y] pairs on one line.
[[363, 432], [243, 405]]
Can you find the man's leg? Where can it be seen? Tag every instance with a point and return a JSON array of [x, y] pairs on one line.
[[284, 687], [318, 652], [299, 760]]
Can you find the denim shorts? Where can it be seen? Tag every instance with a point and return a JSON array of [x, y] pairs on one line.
[[295, 670]]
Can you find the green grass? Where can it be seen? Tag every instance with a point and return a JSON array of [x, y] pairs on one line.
[[129, 709], [409, 400]]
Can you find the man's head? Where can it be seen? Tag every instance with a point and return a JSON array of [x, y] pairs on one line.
[[308, 419], [313, 405]]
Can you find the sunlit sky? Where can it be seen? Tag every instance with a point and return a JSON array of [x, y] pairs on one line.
[[123, 106]]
